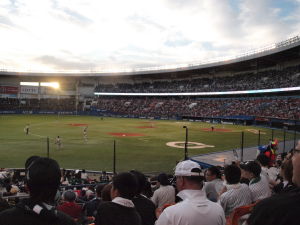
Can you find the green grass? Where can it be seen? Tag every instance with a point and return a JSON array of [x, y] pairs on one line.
[[148, 153]]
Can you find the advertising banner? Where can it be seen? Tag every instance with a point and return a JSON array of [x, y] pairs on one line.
[[9, 90], [29, 90]]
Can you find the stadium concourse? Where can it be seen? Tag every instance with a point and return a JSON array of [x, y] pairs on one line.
[[227, 157]]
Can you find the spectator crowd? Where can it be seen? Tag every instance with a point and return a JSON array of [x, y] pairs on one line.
[[269, 79], [261, 191], [275, 107]]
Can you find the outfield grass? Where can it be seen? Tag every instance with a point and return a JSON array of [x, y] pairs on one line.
[[147, 153]]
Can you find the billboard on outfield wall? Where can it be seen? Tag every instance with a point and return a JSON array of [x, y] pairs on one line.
[[9, 90], [29, 90]]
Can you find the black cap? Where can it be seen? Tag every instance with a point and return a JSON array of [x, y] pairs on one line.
[[251, 166]]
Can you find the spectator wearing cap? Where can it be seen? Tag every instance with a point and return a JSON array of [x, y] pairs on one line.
[[165, 194], [234, 194], [214, 183], [43, 180], [280, 209], [194, 208], [121, 210], [258, 184], [69, 206]]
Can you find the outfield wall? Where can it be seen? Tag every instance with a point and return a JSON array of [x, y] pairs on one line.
[[240, 120]]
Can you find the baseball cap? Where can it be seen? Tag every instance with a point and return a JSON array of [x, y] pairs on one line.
[[188, 168], [251, 166]]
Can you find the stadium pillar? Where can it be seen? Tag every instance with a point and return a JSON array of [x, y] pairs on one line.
[[48, 147], [114, 160], [258, 138], [186, 143], [284, 133], [242, 147]]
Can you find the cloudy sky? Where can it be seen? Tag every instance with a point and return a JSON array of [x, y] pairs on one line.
[[101, 35]]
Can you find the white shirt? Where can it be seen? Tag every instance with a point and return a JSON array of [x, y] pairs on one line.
[[163, 195], [195, 209]]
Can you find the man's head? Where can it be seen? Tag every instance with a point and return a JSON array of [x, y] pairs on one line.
[[43, 179], [232, 174], [141, 179], [263, 160], [124, 185], [296, 164], [250, 169], [163, 179], [212, 173], [69, 196], [188, 176], [30, 160]]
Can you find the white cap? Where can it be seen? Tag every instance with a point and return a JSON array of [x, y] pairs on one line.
[[185, 168]]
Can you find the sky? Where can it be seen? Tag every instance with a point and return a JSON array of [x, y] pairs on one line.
[[117, 35]]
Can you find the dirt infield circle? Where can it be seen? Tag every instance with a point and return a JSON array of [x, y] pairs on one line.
[[217, 130], [126, 134], [143, 127], [191, 145], [78, 124]]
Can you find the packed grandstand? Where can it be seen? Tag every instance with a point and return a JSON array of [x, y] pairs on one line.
[[262, 88]]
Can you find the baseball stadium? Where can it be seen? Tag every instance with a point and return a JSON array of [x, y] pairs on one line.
[[151, 119], [144, 117]]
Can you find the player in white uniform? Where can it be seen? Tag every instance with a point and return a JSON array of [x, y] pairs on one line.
[[58, 142]]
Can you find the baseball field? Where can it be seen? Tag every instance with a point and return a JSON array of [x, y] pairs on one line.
[[145, 145]]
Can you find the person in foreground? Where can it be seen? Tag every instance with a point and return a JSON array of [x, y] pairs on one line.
[[121, 210], [43, 180], [195, 208], [282, 209]]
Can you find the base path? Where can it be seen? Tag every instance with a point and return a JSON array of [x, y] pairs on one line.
[[126, 134], [226, 157], [78, 124], [217, 130]]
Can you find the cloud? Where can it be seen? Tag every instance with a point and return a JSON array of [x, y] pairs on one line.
[[5, 21], [88, 34]]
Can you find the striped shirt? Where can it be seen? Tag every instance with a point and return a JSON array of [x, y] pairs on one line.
[[259, 188], [236, 195]]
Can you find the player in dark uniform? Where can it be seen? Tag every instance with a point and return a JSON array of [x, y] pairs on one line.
[[85, 133], [26, 129]]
